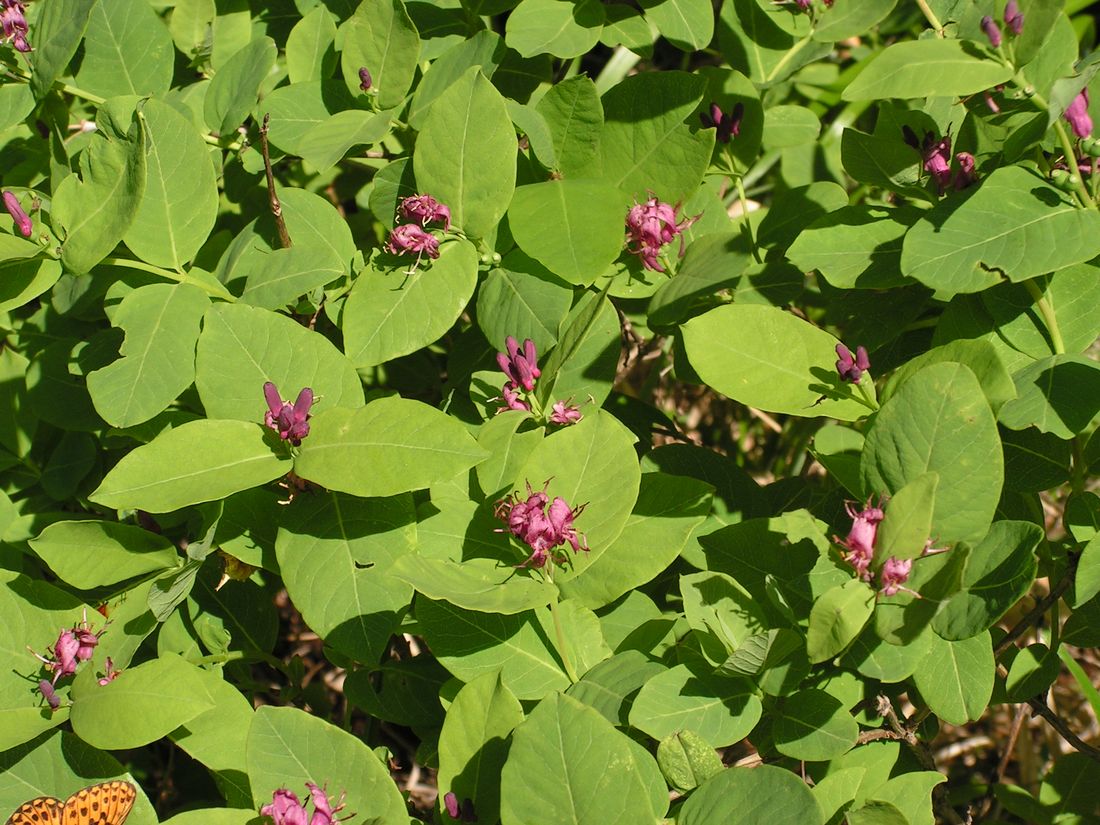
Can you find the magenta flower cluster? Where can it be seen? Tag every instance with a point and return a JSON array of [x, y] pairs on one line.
[[860, 547], [13, 19], [73, 646], [851, 367], [413, 236], [936, 160], [286, 809], [521, 366], [651, 225], [728, 124], [290, 421], [543, 525], [1014, 22]]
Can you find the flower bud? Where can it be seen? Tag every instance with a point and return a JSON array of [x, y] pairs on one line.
[[991, 31], [22, 220], [364, 79]]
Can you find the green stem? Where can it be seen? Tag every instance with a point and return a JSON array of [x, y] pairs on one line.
[[783, 61], [739, 184], [209, 287], [220, 658], [867, 399], [560, 634], [1071, 163], [1047, 311], [930, 16]]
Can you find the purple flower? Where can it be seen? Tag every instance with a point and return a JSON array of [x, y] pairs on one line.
[[564, 412], [966, 174], [540, 529], [1077, 113], [364, 79], [110, 675], [521, 367], [1013, 19], [728, 125], [860, 542], [512, 401], [424, 209], [895, 573], [849, 367], [15, 25], [650, 226], [285, 808], [324, 812], [49, 694], [411, 237], [22, 220], [992, 31], [937, 159], [290, 421], [990, 102], [463, 813]]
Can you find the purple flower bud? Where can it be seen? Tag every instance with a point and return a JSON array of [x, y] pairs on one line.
[[937, 159], [564, 412], [411, 237], [450, 802], [22, 220], [424, 209], [510, 396], [851, 368], [14, 23], [895, 573], [110, 675], [650, 226], [728, 125], [86, 643], [992, 31], [521, 367], [1013, 19], [49, 694], [364, 79], [290, 421], [463, 812], [966, 174], [1077, 113]]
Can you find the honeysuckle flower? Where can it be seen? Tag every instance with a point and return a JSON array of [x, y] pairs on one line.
[[541, 529], [364, 79], [510, 396], [73, 646], [1013, 19], [290, 421], [49, 694], [14, 22], [411, 237], [1077, 113], [324, 812], [966, 174], [285, 808], [937, 159], [424, 209], [521, 366], [650, 226], [22, 220], [463, 812], [895, 573], [564, 412], [110, 675], [728, 125], [992, 31], [860, 542], [849, 367]]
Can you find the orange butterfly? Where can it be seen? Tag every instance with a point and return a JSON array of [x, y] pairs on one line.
[[107, 803]]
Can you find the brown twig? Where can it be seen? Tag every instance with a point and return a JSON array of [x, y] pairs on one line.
[[272, 195], [1056, 722], [986, 805], [1041, 607]]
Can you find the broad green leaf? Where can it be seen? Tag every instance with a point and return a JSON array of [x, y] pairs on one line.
[[406, 445], [127, 51], [1001, 571], [217, 737], [574, 118], [722, 710], [336, 554], [712, 263], [484, 50], [911, 794], [952, 249], [96, 210], [939, 421], [58, 31], [924, 68], [903, 617], [324, 145], [288, 274], [486, 585], [232, 92], [878, 659], [559, 27], [190, 24], [786, 126], [474, 742], [509, 437], [521, 299], [296, 109], [814, 726], [393, 312], [956, 678], [980, 356], [645, 146], [908, 523], [288, 747], [467, 154], [851, 18], [568, 764], [611, 686], [797, 209], [876, 813], [1031, 672], [837, 618], [687, 760], [686, 24], [1068, 789], [310, 47], [180, 202], [199, 461], [573, 227], [90, 554], [747, 796], [157, 362], [583, 364], [766, 41], [1087, 582], [140, 706], [381, 37], [715, 603], [1058, 395], [23, 280], [241, 347], [767, 358], [856, 247]]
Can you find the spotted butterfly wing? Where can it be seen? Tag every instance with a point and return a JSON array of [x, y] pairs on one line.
[[107, 803]]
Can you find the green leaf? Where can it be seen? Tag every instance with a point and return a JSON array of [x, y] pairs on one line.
[[157, 360], [96, 210], [715, 603], [1058, 395], [486, 585], [180, 202], [574, 118], [570, 765], [980, 356], [58, 31], [766, 41], [856, 247], [814, 726], [876, 813], [484, 50], [392, 312], [140, 706], [522, 299], [288, 747], [686, 24], [851, 18], [324, 145], [90, 554], [713, 262], [233, 91], [837, 618], [1087, 582], [298, 108], [748, 796], [310, 51], [241, 347], [467, 154], [217, 737], [769, 359], [724, 710], [562, 28], [508, 447], [908, 522], [952, 249], [473, 744], [687, 760], [956, 678], [381, 37], [573, 227], [1031, 673], [127, 51], [939, 421], [610, 687], [583, 364], [927, 68], [195, 462], [406, 444], [23, 280], [287, 274], [878, 659], [645, 146]]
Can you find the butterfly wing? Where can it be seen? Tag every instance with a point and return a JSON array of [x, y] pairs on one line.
[[107, 803], [45, 810]]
